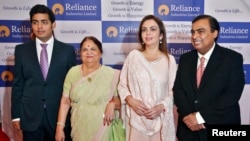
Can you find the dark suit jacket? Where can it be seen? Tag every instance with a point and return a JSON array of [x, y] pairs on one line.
[[30, 92], [220, 90]]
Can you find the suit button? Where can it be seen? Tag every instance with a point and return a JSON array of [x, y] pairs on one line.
[[196, 101], [43, 99], [44, 85]]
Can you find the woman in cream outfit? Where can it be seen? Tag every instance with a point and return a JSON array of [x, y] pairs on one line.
[[146, 83]]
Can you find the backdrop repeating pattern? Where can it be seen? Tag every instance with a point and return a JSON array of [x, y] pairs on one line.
[[116, 23]]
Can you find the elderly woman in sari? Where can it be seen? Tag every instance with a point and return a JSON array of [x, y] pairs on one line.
[[146, 82], [90, 90]]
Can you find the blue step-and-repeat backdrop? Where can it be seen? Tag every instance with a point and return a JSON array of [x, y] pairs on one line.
[[115, 23]]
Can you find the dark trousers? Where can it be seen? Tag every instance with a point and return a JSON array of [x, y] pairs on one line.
[[44, 132]]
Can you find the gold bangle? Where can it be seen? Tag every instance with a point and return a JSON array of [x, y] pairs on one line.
[[60, 123]]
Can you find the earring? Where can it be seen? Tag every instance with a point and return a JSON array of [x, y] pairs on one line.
[[142, 43], [160, 41]]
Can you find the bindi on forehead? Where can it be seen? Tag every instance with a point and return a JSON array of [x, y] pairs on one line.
[[89, 46]]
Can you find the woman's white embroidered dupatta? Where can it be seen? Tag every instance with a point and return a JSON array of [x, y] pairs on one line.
[[140, 80]]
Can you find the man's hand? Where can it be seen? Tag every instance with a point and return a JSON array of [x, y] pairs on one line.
[[17, 128], [192, 123]]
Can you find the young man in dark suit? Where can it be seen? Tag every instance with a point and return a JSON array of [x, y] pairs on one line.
[[36, 92], [215, 100]]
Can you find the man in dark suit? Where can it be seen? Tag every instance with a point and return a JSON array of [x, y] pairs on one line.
[[36, 96], [215, 100]]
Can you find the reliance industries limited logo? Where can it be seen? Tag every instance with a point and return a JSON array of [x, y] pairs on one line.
[[7, 76], [112, 32], [163, 10], [58, 9], [4, 31]]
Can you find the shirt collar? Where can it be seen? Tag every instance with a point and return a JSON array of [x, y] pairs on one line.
[[208, 54], [49, 42]]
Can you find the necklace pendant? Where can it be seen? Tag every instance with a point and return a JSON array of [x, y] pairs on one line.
[[89, 79]]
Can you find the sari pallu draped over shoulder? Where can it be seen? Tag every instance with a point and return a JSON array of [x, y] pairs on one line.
[[143, 84]]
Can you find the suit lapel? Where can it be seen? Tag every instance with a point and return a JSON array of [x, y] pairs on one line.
[[193, 69], [54, 55], [211, 66], [34, 58]]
